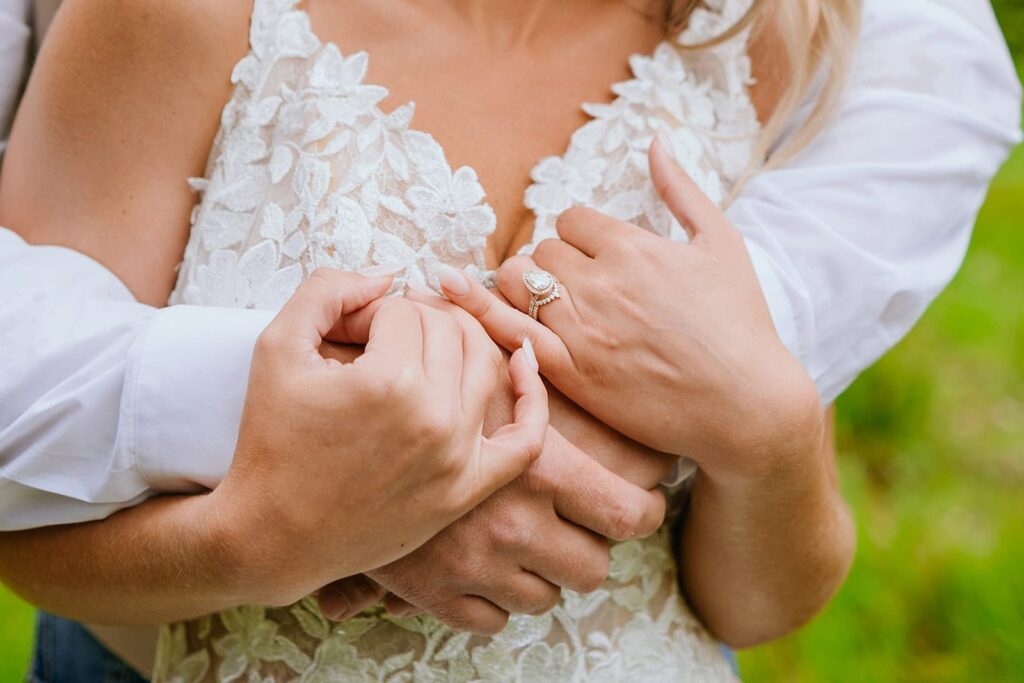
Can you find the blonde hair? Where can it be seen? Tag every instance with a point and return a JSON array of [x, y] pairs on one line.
[[813, 36]]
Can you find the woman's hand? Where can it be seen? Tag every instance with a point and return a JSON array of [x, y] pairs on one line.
[[671, 344], [400, 453]]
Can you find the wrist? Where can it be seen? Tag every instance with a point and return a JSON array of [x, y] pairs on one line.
[[241, 552], [777, 433]]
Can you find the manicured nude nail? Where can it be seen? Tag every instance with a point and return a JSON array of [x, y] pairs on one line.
[[530, 355], [383, 270], [420, 288], [452, 280], [663, 140]]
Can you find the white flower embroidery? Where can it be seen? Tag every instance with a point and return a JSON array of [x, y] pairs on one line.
[[251, 639], [447, 206], [308, 171]]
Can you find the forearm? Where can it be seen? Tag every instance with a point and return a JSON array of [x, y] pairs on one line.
[[758, 560], [167, 559]]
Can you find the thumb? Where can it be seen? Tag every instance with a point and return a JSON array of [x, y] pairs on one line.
[[698, 215], [510, 450], [318, 308]]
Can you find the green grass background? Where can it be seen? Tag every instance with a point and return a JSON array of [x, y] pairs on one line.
[[932, 461]]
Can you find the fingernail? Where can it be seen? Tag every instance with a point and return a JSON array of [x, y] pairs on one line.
[[383, 270], [334, 604], [663, 140], [452, 280], [530, 355], [421, 288]]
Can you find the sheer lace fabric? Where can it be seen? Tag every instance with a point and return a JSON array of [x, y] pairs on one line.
[[307, 171]]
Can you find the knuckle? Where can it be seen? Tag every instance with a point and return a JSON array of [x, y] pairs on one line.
[[573, 216], [508, 275], [385, 389], [513, 536], [461, 615], [624, 522], [594, 573], [543, 251], [270, 342], [434, 426], [540, 478], [542, 600], [324, 277]]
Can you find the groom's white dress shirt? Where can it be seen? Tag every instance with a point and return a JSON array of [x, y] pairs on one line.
[[104, 401]]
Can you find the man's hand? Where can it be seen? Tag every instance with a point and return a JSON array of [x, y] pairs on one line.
[[379, 454], [513, 553]]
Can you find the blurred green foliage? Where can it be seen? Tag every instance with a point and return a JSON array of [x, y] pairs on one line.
[[932, 460]]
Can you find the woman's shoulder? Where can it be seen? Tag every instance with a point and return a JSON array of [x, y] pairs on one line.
[[140, 31]]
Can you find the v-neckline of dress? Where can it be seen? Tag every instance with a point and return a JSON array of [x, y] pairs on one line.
[[536, 171], [308, 171]]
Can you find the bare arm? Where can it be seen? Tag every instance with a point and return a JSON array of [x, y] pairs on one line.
[[760, 558], [97, 164], [164, 560]]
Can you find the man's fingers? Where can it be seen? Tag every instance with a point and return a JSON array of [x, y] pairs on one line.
[[511, 449], [698, 215], [315, 310], [397, 607], [505, 325], [599, 500], [578, 560], [472, 613], [348, 597], [395, 336], [443, 353], [522, 592]]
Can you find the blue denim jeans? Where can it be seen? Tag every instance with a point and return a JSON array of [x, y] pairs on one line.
[[66, 652]]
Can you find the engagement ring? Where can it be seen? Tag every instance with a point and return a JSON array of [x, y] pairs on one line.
[[544, 288]]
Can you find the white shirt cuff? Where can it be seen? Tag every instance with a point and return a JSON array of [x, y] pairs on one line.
[[184, 390]]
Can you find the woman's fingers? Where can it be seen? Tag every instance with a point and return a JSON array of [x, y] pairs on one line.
[[698, 215], [589, 231], [559, 315], [506, 325], [512, 448]]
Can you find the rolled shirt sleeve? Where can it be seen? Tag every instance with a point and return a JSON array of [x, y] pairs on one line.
[[855, 237], [104, 401]]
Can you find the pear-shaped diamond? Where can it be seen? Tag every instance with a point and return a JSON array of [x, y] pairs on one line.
[[539, 282]]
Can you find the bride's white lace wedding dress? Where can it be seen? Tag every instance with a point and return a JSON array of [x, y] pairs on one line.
[[307, 171]]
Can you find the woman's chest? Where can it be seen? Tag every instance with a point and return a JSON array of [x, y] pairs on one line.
[[318, 164], [494, 104]]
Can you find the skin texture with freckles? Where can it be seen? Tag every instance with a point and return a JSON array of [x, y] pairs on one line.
[[710, 380], [124, 104]]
